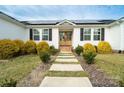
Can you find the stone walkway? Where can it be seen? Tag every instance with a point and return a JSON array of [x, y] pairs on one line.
[[66, 62]]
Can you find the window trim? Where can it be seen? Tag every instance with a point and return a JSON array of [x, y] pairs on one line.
[[45, 34], [97, 34], [87, 34], [34, 34]]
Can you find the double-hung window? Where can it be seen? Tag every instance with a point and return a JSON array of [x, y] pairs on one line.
[[87, 34], [36, 34], [45, 34], [97, 34]]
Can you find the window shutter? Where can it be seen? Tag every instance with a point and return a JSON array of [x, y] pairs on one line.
[[102, 34], [50, 34], [81, 34], [31, 34]]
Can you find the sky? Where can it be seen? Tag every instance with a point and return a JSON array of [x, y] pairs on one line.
[[61, 12]]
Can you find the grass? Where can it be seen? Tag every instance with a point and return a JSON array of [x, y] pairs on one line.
[[19, 67], [112, 64], [67, 74]]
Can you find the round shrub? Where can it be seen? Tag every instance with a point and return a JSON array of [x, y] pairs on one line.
[[8, 49], [89, 57], [53, 50], [30, 47], [42, 47], [89, 48], [44, 56], [20, 44], [79, 50], [104, 47]]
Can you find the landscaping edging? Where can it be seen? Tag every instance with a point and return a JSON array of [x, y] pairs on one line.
[[97, 77], [36, 76]]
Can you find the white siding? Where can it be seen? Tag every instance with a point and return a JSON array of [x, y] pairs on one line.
[[113, 36], [55, 37], [76, 37], [12, 31]]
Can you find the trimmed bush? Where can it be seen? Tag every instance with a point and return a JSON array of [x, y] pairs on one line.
[[20, 44], [96, 48], [53, 51], [79, 50], [30, 47], [44, 56], [8, 49], [89, 57], [42, 47], [89, 48], [8, 83], [104, 47]]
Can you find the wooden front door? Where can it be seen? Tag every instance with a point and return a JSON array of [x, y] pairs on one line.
[[65, 40]]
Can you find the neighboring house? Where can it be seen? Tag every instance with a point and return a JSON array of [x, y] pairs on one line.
[[64, 33]]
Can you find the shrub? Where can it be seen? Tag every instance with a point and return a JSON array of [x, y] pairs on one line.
[[79, 50], [53, 51], [8, 49], [96, 48], [8, 83], [20, 44], [104, 47], [44, 56], [89, 57], [42, 47], [30, 47], [89, 48]]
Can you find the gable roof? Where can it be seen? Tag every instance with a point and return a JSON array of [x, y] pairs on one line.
[[77, 22], [55, 22]]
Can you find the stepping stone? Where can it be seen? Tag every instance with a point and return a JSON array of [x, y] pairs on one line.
[[66, 67], [66, 56], [66, 60], [66, 82]]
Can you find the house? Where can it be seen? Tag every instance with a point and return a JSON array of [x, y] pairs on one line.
[[64, 34]]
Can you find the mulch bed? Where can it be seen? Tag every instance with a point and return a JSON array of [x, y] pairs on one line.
[[97, 76], [36, 76]]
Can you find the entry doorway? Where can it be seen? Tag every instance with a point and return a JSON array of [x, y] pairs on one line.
[[65, 40]]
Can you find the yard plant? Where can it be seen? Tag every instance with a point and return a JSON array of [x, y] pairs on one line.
[[30, 47], [43, 51], [79, 50], [104, 47], [89, 57], [8, 49], [53, 50]]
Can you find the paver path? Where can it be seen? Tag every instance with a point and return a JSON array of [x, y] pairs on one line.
[[65, 62]]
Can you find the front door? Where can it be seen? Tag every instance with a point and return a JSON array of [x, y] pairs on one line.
[[65, 40]]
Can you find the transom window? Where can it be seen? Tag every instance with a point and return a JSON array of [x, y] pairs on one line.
[[36, 34], [97, 34], [87, 34], [45, 34]]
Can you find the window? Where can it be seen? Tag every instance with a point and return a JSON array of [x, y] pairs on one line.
[[87, 34], [45, 34], [36, 35], [97, 34]]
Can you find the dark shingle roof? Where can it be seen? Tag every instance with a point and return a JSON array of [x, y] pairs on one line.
[[78, 22], [54, 22]]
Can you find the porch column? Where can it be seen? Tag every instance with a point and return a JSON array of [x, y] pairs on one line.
[[75, 37], [55, 37]]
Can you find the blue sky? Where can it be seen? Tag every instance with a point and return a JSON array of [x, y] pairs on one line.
[[54, 12]]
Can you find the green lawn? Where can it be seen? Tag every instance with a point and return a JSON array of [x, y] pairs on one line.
[[113, 64], [67, 74], [19, 67]]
